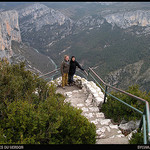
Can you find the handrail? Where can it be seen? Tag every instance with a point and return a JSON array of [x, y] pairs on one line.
[[97, 75], [51, 72], [147, 113], [129, 94]]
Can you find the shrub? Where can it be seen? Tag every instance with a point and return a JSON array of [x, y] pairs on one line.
[[52, 122], [27, 117], [137, 138], [117, 111], [75, 128]]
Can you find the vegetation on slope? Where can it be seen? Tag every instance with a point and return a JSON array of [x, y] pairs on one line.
[[32, 113], [117, 111], [34, 61], [108, 50]]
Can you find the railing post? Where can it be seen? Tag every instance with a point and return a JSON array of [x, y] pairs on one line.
[[141, 123], [148, 120], [144, 130], [105, 94], [145, 120]]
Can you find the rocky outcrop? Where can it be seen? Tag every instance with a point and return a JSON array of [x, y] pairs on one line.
[[41, 26], [9, 30], [122, 19], [129, 75], [89, 22], [39, 15], [131, 71], [127, 19], [95, 92], [14, 50], [130, 126]]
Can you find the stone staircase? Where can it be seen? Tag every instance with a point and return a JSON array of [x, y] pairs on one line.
[[89, 98]]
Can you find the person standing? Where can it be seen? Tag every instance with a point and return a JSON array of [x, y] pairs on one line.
[[64, 71], [72, 69]]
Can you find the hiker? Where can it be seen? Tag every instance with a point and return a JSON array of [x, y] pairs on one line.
[[64, 71], [72, 69]]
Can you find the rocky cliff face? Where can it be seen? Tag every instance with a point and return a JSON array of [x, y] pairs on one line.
[[38, 15], [127, 19], [122, 19], [129, 75], [14, 50], [89, 22], [43, 25], [9, 30], [101, 35]]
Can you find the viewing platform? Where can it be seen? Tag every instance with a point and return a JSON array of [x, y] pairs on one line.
[[88, 97], [89, 93]]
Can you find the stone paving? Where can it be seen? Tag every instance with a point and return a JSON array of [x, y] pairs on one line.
[[89, 101]]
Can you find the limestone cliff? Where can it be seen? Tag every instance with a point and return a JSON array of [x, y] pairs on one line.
[[89, 22], [129, 18], [38, 15], [129, 75], [9, 30], [41, 26]]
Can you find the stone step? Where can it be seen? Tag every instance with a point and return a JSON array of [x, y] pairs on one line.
[[105, 129], [91, 116], [107, 132], [80, 105], [115, 140], [90, 99]]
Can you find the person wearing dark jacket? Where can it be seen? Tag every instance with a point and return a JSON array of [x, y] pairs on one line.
[[72, 69]]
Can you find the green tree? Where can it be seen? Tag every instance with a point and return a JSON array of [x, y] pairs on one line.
[[32, 113]]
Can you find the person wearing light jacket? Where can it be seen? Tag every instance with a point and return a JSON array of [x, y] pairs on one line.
[[64, 71]]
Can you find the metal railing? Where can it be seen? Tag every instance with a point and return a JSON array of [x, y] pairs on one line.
[[49, 74], [145, 114], [55, 73], [145, 120]]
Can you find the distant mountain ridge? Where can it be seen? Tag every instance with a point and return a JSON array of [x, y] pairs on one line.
[[39, 15], [112, 38], [43, 25], [14, 50], [128, 19]]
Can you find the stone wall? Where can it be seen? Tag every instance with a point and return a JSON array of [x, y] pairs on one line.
[[95, 99], [89, 86], [88, 97]]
